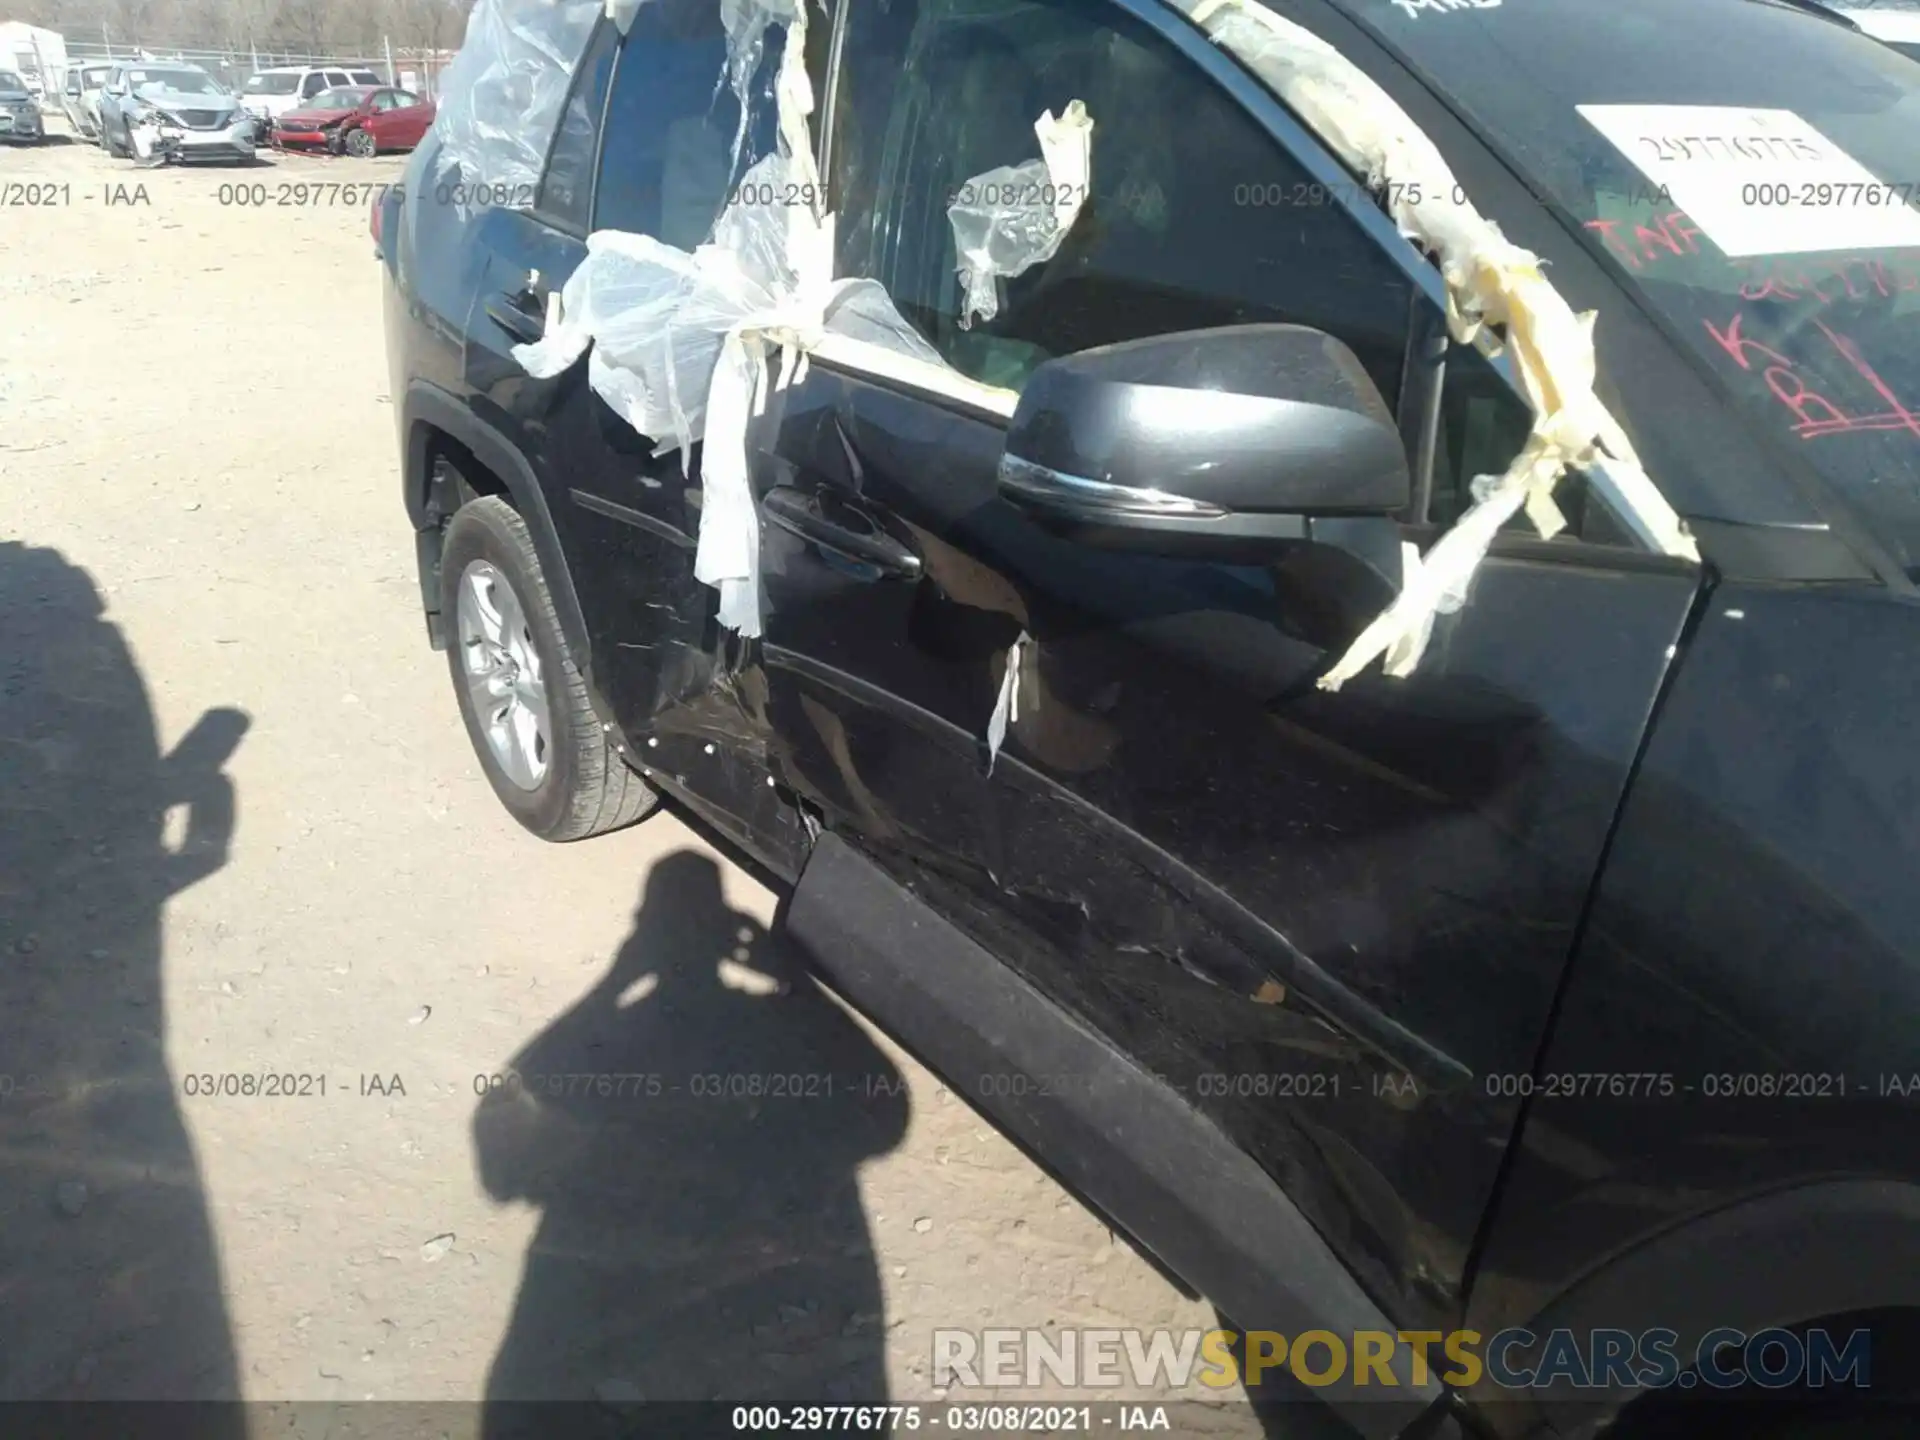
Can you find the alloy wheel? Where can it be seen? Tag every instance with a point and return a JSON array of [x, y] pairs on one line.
[[504, 681]]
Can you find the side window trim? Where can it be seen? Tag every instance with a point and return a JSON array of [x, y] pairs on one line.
[[865, 360], [825, 110], [600, 129], [579, 232]]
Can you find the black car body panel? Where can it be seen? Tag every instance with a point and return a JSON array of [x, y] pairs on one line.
[[1754, 935], [1117, 1133], [1363, 899], [1630, 816]]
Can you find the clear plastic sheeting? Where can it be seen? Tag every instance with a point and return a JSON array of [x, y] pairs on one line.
[[1013, 217], [685, 344], [746, 23], [501, 98], [1489, 281]]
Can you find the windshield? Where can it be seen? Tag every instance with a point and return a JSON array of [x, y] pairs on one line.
[[1752, 167], [12, 84], [340, 98], [272, 84], [94, 76], [180, 82]]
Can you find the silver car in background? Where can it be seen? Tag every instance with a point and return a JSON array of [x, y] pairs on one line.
[[159, 112], [19, 111], [80, 99]]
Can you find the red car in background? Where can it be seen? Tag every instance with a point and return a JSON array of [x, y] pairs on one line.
[[357, 120]]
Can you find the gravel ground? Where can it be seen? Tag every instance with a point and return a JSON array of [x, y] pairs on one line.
[[242, 835]]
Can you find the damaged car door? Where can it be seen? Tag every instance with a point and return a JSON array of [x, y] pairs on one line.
[[1325, 919], [671, 148]]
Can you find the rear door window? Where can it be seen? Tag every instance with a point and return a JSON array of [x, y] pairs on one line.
[[672, 124], [566, 190]]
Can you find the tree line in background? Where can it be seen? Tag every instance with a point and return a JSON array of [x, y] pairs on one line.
[[314, 27]]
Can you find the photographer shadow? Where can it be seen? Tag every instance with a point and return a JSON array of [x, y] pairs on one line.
[[110, 1282], [692, 1132]]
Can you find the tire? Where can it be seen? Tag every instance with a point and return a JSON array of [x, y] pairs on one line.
[[113, 147], [1834, 1411], [488, 566], [360, 144]]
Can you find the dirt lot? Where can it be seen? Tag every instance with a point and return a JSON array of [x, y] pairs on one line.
[[242, 835]]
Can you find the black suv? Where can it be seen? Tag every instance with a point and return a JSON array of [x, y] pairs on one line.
[[1570, 982]]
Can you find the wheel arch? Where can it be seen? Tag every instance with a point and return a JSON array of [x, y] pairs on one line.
[[438, 428], [1791, 1259]]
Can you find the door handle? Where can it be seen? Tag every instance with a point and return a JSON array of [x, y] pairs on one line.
[[799, 514], [511, 315]]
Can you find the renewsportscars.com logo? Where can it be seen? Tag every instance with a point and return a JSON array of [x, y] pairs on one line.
[[1513, 1359]]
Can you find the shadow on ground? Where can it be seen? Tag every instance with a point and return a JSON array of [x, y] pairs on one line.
[[110, 1286], [691, 1132]]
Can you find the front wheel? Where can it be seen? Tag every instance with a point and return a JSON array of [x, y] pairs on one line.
[[360, 145], [524, 701]]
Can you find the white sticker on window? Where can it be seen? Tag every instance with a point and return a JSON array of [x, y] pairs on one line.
[[1760, 182]]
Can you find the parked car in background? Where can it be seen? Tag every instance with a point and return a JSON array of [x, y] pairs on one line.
[[269, 94], [173, 110], [355, 120], [80, 99], [19, 111]]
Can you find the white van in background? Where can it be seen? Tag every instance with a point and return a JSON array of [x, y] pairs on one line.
[[269, 94]]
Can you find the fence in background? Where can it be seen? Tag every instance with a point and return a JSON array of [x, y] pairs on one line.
[[418, 71]]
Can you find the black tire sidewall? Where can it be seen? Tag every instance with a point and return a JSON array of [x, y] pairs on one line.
[[481, 532], [353, 138]]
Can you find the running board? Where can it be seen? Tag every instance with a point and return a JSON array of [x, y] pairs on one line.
[[1128, 1143]]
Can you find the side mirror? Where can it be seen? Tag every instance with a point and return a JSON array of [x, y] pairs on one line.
[[1220, 444]]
